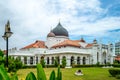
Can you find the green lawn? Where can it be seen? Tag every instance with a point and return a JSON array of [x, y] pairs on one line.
[[68, 74]]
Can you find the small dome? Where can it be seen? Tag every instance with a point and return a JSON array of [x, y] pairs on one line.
[[51, 34], [82, 40], [59, 30], [95, 41]]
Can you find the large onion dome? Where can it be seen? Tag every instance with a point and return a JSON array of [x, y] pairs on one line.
[[59, 30]]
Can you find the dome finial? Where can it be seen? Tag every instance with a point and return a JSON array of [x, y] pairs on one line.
[[94, 41], [51, 29], [59, 20], [82, 40]]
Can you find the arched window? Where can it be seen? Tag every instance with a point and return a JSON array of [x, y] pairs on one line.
[[78, 60], [25, 60], [104, 57], [97, 57], [84, 60], [52, 60], [31, 60], [47, 60], [72, 60]]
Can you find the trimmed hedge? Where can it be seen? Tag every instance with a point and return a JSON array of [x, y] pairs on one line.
[[76, 66], [114, 72], [26, 66], [50, 66], [116, 65], [118, 76]]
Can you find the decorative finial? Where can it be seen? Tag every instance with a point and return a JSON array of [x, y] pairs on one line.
[[95, 41], [81, 37], [59, 21], [51, 29]]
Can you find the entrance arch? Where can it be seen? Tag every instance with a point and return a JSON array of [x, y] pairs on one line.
[[97, 57], [104, 57], [25, 60], [78, 60], [72, 60], [31, 60], [84, 60], [48, 60], [52, 60]]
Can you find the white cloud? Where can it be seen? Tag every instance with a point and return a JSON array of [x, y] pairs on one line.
[[33, 19]]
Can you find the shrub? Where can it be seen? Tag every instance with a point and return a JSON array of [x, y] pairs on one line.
[[118, 76], [93, 65], [64, 62], [50, 66], [42, 62], [14, 64], [2, 60], [31, 76], [114, 72], [26, 66], [56, 63], [116, 65]]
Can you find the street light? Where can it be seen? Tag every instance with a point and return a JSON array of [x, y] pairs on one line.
[[6, 35]]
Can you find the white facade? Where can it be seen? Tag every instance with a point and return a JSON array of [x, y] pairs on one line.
[[61, 46]]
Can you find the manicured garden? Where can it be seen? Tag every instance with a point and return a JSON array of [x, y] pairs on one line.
[[92, 73]]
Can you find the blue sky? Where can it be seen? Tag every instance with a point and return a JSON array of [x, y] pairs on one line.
[[32, 20]]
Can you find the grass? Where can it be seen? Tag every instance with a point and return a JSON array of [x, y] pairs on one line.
[[68, 74]]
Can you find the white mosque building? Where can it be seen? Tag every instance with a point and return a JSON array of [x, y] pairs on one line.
[[59, 45]]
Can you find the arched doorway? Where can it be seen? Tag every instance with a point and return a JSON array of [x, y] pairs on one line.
[[78, 60], [97, 57], [52, 60], [72, 60], [42, 59], [31, 60], [47, 60], [84, 60], [104, 57], [25, 60]]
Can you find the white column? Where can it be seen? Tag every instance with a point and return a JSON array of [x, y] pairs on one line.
[[81, 60], [15, 57], [45, 59], [28, 60], [75, 59], [68, 61], [50, 60], [60, 57], [34, 60], [22, 59], [38, 59], [87, 59]]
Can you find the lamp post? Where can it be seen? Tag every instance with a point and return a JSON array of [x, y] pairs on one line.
[[6, 35]]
